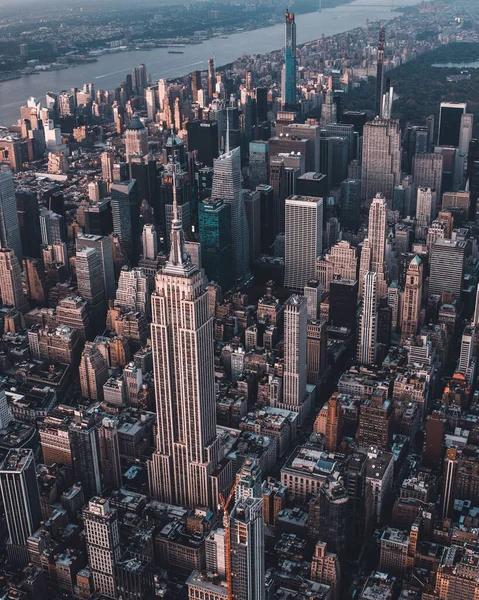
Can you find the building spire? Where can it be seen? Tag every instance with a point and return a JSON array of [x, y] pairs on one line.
[[178, 256]]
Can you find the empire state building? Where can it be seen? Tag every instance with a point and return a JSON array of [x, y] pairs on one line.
[[183, 357]]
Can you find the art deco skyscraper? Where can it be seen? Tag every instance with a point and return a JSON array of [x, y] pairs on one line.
[[227, 186], [427, 172], [377, 236], [21, 502], [288, 76], [183, 362], [411, 307], [369, 321], [9, 228], [381, 167], [11, 288]]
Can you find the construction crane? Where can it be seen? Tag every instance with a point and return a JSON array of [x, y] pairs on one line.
[[224, 505]]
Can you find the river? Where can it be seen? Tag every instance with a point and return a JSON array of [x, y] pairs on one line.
[[111, 69]]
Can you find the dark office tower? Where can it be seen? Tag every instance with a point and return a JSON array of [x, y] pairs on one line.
[[204, 182], [312, 184], [214, 218], [288, 75], [262, 104], [450, 115], [434, 439], [380, 73], [109, 452], [125, 209], [277, 180], [85, 454], [195, 85], [356, 118], [268, 230], [417, 143], [21, 502], [29, 223], [98, 217], [343, 303], [297, 144], [144, 171], [258, 163], [252, 201], [55, 202], [355, 481], [134, 577], [211, 78], [203, 137], [350, 207]]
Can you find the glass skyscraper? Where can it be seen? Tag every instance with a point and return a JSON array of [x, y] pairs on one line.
[[214, 218]]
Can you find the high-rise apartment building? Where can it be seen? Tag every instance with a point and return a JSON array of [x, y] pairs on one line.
[[186, 452], [103, 544], [381, 167], [411, 305], [9, 228], [227, 186], [288, 75], [21, 502], [11, 289], [425, 209], [303, 240], [380, 73], [247, 549], [377, 237], [369, 320]]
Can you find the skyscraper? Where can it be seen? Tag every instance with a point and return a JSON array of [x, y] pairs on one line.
[[126, 211], [425, 207], [381, 168], [288, 76], [102, 543], [85, 455], [227, 186], [447, 267], [303, 240], [211, 78], [149, 242], [411, 306], [29, 223], [133, 292], [295, 345], [368, 321], [21, 502], [90, 281], [380, 73], [93, 372], [183, 362], [427, 172], [11, 289], [450, 115], [214, 218], [9, 228], [109, 452], [102, 244], [377, 236], [136, 139]]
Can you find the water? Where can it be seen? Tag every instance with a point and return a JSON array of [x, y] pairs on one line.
[[111, 69]]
